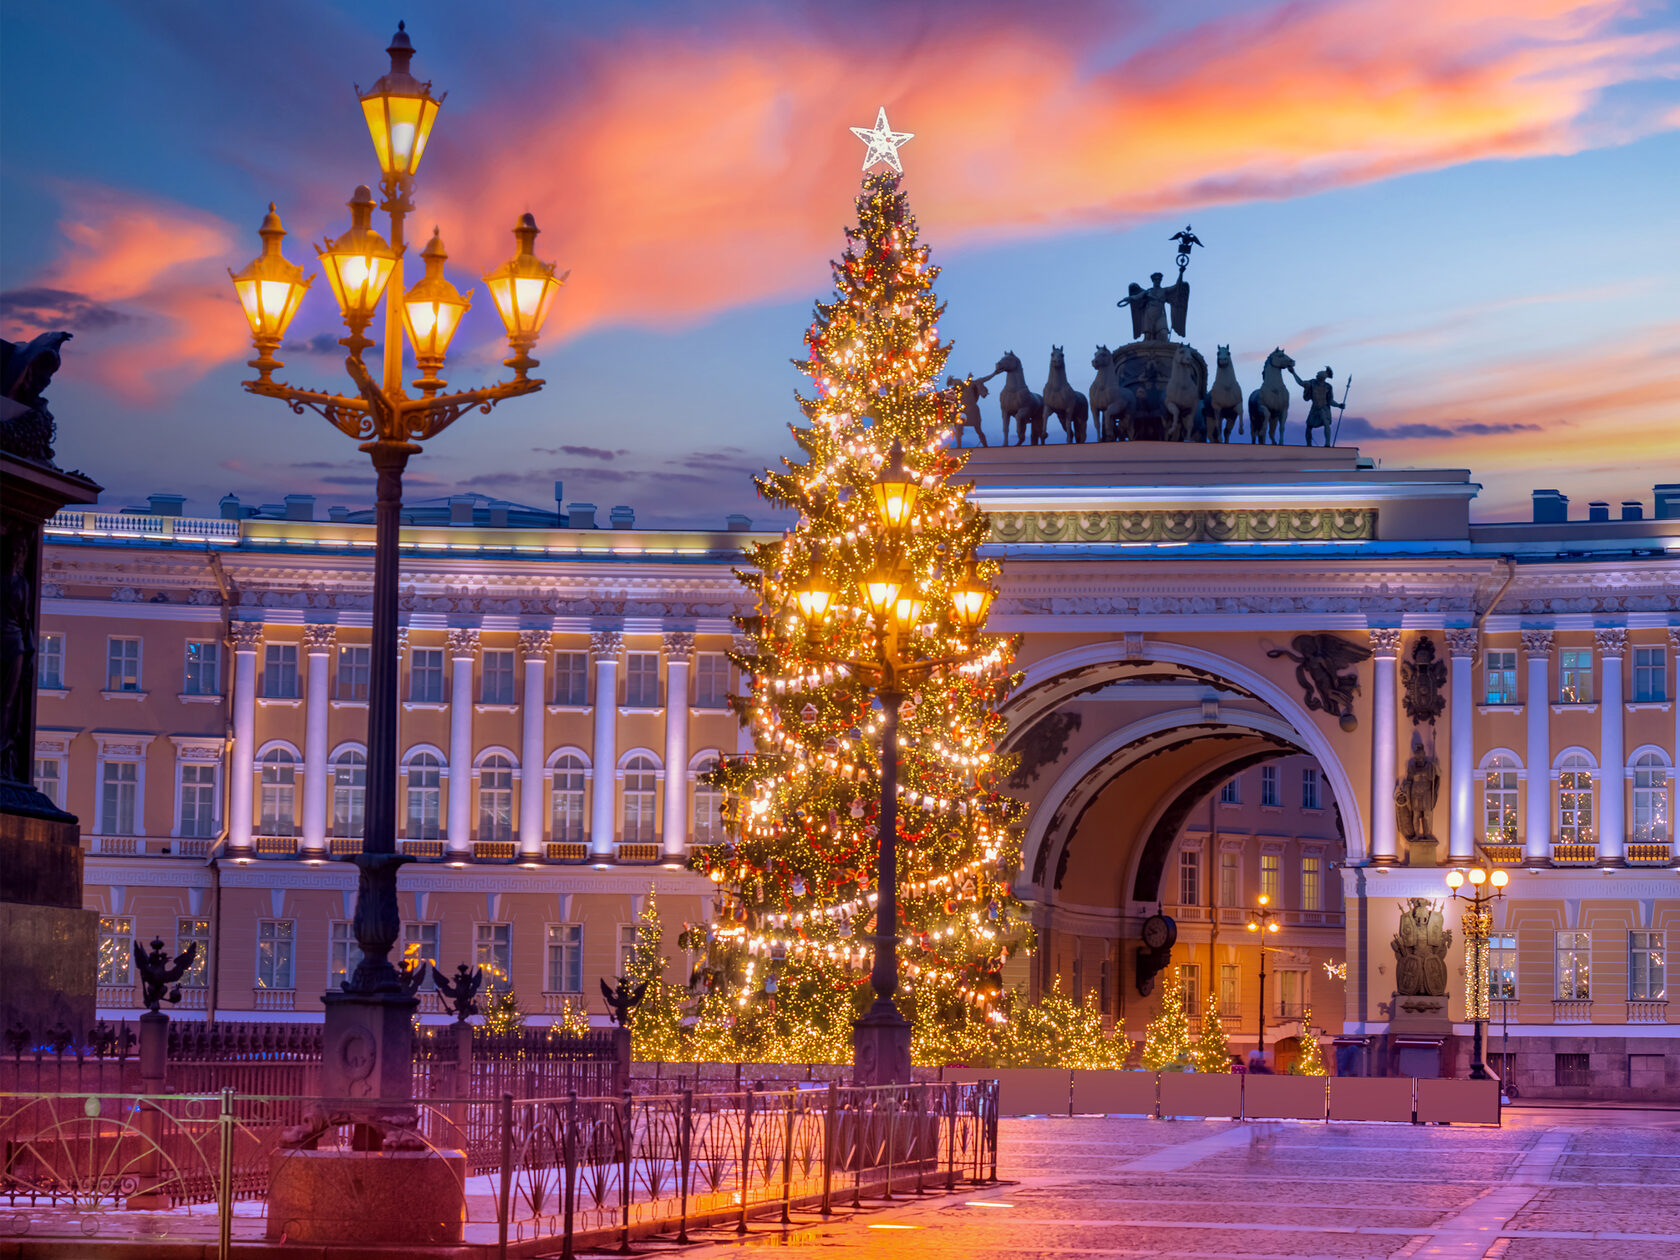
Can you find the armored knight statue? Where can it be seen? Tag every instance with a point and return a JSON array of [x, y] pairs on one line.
[[1420, 950], [1416, 793], [1320, 396]]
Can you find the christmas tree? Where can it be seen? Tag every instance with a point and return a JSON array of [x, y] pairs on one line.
[[502, 1012], [653, 1024], [1166, 1043], [1058, 1032], [1213, 1051], [788, 960], [1310, 1062]]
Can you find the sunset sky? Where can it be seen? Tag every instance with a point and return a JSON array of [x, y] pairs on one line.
[[1471, 206]]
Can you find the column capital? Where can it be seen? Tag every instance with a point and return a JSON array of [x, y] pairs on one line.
[[1385, 642], [1674, 637], [744, 644], [534, 644], [1536, 643], [679, 645], [402, 638], [605, 644], [318, 639], [463, 643], [1611, 640], [246, 635], [1462, 642]]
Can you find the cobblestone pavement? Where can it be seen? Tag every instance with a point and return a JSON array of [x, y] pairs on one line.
[[1564, 1184]]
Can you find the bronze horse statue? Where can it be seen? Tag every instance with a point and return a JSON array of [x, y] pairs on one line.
[[1018, 402], [1111, 405], [1063, 401], [1268, 406], [1224, 399], [1182, 396]]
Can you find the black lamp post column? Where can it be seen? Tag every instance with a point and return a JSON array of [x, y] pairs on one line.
[[881, 1039]]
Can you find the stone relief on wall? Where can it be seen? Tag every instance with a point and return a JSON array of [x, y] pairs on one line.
[[1325, 669], [1043, 744], [1423, 677], [1420, 949]]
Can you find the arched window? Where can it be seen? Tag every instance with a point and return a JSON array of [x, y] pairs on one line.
[[639, 781], [568, 798], [349, 793], [1650, 800], [708, 805], [279, 794], [1499, 807], [1575, 801], [495, 799], [425, 797]]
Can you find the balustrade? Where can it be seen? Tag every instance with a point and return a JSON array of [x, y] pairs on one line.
[[1571, 1011], [424, 850], [568, 851], [1584, 853], [1645, 853], [274, 999], [1647, 1012], [638, 851], [494, 850]]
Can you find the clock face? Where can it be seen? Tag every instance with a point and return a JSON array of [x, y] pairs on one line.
[[1158, 931]]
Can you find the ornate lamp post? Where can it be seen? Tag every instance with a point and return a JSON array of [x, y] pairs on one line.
[[1264, 921], [895, 606], [1485, 888], [368, 1036]]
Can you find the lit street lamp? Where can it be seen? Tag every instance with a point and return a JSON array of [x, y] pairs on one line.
[[1263, 920], [896, 607], [1485, 887], [365, 270]]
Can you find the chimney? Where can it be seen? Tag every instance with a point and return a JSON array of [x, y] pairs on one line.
[[300, 507], [559, 504], [166, 504], [498, 515], [1550, 507], [338, 512], [1598, 510], [737, 524], [1633, 510], [460, 509], [580, 516], [1667, 506], [231, 511], [623, 517]]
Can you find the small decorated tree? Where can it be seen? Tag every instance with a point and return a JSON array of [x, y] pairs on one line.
[[573, 1020], [1166, 1045], [502, 1012], [654, 1030], [1213, 1051], [1058, 1032], [1310, 1062]]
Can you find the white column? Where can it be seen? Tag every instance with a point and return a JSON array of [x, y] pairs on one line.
[[744, 645], [1385, 647], [1537, 698], [604, 646], [1611, 642], [463, 650], [534, 647], [1461, 757], [679, 654], [318, 647], [247, 641]]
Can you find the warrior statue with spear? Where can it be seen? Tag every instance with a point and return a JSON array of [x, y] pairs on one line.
[[1320, 395]]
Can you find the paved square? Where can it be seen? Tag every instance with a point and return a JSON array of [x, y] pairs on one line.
[[1575, 1184]]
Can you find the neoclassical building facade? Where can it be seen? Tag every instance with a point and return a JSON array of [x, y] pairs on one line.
[[202, 706]]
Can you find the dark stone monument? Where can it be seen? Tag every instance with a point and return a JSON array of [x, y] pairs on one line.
[[48, 942]]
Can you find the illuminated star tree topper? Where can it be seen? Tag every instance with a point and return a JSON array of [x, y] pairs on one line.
[[883, 142]]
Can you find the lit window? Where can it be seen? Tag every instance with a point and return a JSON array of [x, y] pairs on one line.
[[1575, 676], [425, 797], [116, 950], [1650, 800], [1502, 967], [493, 950], [420, 944], [565, 958], [641, 680], [1500, 674], [1575, 801], [1499, 801], [122, 665], [194, 931], [203, 668], [1574, 966], [1270, 884], [495, 799], [274, 953], [1312, 883], [1647, 981], [640, 779]]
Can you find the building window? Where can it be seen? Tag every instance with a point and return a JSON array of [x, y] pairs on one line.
[[495, 798], [1575, 801], [1269, 786], [49, 662], [420, 944], [199, 798], [711, 681], [571, 679], [122, 665], [342, 955], [1290, 994], [1650, 800], [1647, 981], [493, 949], [425, 675], [496, 682], [1500, 673], [627, 936], [1271, 864], [639, 786], [1650, 674], [1230, 878], [1230, 793], [1575, 676], [1228, 995], [120, 792], [1572, 1069], [274, 953], [641, 680], [1312, 883], [708, 806], [425, 797], [279, 794], [116, 950], [1574, 967], [204, 668], [48, 776], [567, 795], [1191, 976], [565, 958], [194, 931], [349, 794], [1310, 798], [1189, 878], [280, 671], [1499, 801], [354, 663], [1502, 967]]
